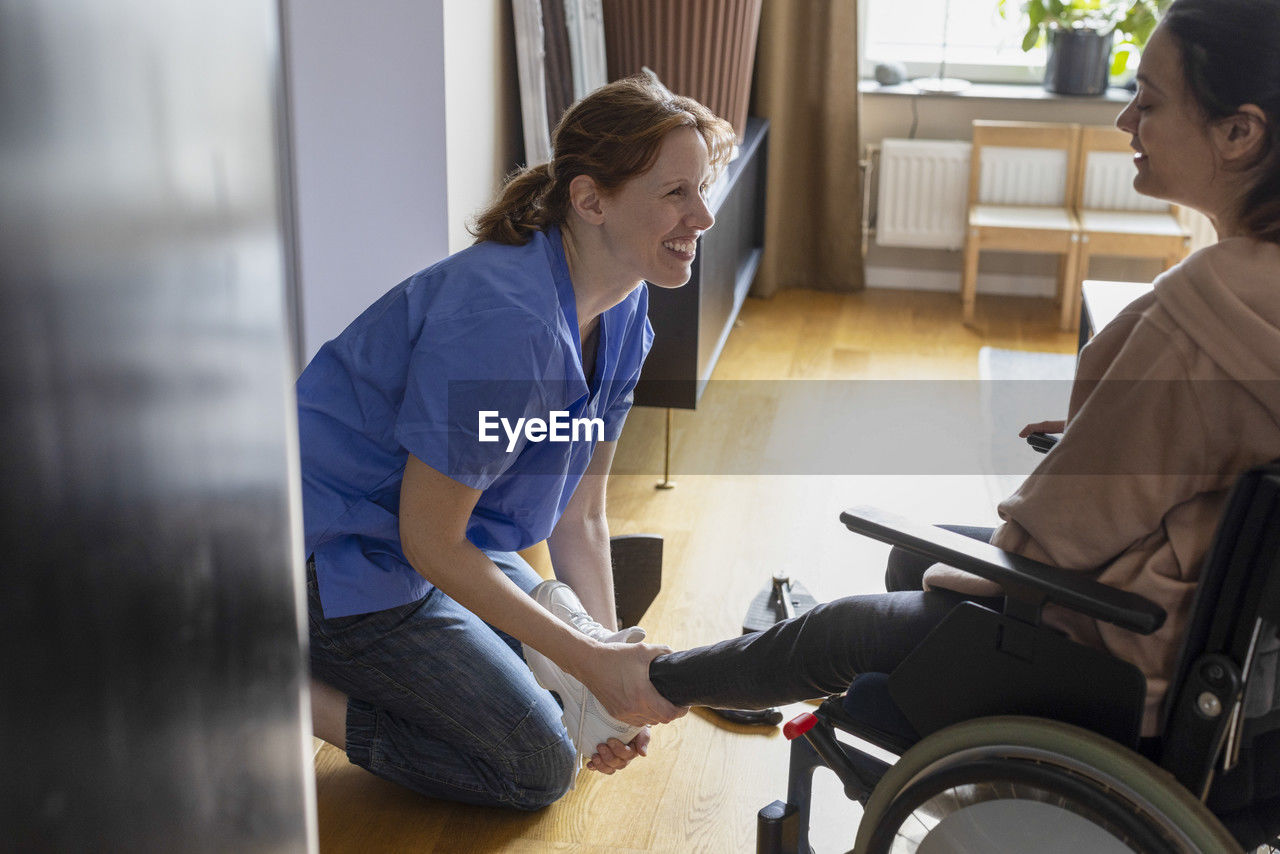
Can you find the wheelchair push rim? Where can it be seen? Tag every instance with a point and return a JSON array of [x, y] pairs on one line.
[[1031, 774]]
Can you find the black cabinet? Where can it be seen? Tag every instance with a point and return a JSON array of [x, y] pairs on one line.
[[691, 323]]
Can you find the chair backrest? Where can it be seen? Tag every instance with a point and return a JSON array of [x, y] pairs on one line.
[[1233, 636], [1104, 180], [1023, 163]]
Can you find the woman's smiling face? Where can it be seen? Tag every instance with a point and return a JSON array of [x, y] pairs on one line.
[[654, 220], [1175, 157]]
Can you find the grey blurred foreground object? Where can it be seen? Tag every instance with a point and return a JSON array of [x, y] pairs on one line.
[[154, 683]]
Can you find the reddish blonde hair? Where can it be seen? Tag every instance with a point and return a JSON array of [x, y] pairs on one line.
[[611, 135]]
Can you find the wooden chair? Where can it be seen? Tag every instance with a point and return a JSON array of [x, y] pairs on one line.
[[1114, 218], [1027, 209]]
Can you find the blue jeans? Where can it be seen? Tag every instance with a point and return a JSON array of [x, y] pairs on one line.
[[443, 703], [820, 652]]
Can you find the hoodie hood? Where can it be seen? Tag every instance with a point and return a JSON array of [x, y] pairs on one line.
[[1226, 298]]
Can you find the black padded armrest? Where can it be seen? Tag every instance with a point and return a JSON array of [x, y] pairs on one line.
[[1022, 578]]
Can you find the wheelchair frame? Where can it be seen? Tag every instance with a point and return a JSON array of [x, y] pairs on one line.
[[978, 664]]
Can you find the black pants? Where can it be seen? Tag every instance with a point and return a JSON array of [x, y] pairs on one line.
[[819, 652]]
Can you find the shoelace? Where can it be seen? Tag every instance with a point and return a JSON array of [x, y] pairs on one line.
[[585, 624], [589, 627]]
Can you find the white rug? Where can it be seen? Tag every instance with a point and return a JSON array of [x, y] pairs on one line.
[[1019, 387], [997, 364]]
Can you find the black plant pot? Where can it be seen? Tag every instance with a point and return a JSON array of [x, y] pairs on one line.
[[1079, 62]]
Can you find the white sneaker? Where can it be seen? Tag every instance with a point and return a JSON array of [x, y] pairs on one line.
[[559, 598], [585, 719]]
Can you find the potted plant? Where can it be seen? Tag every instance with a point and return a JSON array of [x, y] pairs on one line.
[[1080, 35]]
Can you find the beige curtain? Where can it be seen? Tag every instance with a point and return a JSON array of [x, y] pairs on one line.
[[807, 86]]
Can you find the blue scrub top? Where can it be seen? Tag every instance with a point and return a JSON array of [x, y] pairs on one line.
[[492, 328]]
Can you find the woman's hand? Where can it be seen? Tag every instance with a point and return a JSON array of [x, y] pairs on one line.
[[1043, 427], [614, 756], [618, 675]]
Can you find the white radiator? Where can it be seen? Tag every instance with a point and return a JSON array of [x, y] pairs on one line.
[[1108, 184], [1023, 176], [924, 187]]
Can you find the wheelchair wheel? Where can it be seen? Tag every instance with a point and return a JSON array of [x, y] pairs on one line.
[[1014, 785]]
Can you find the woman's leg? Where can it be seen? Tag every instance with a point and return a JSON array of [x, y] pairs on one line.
[[442, 703], [905, 570], [329, 714], [813, 655]]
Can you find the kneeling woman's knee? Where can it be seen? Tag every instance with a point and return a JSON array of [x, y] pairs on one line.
[[544, 765]]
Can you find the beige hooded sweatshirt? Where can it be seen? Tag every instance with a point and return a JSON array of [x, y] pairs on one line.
[[1171, 402]]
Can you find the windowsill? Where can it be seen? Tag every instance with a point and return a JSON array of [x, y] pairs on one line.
[[995, 91]]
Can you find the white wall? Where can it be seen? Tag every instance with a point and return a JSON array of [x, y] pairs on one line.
[[482, 107], [367, 100], [405, 118]]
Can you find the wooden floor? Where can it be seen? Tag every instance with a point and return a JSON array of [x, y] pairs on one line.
[[726, 530]]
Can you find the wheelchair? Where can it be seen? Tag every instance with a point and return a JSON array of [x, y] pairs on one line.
[[1012, 738]]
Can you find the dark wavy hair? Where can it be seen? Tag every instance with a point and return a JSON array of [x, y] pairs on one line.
[[611, 135], [1231, 57]]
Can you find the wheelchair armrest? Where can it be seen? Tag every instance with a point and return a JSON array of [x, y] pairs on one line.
[[1025, 580]]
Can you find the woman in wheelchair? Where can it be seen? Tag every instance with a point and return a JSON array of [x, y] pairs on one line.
[[1171, 403]]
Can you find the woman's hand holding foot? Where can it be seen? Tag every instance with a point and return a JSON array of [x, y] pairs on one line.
[[618, 676]]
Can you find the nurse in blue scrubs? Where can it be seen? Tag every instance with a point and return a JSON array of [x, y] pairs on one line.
[[425, 469]]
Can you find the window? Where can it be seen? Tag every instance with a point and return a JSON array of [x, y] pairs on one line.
[[977, 45]]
